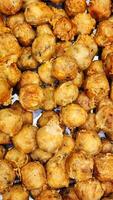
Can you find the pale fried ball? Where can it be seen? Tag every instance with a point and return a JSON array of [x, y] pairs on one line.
[[78, 80], [45, 72], [43, 47], [105, 102], [46, 117], [84, 23], [88, 141], [10, 7], [90, 123], [17, 158], [61, 48], [103, 167], [33, 175], [106, 51], [58, 13], [79, 166], [16, 192], [64, 68], [44, 29], [15, 19], [104, 33], [25, 140], [65, 29], [31, 97], [89, 190], [7, 175], [2, 152], [73, 7], [40, 155], [107, 146], [50, 137], [95, 67], [26, 60], [73, 115], [49, 194], [65, 94], [67, 145], [10, 121], [24, 33], [37, 13], [84, 101], [109, 65], [100, 9], [48, 102], [4, 138], [5, 92]]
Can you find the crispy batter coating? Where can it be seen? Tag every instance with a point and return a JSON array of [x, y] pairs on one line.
[[33, 175], [17, 158], [2, 152], [10, 7], [78, 80], [95, 68], [57, 1], [90, 123], [49, 194], [109, 65], [106, 51], [49, 102], [111, 92], [31, 97], [79, 166], [105, 102], [44, 29], [64, 68], [88, 141], [61, 48], [84, 101], [88, 190], [73, 7], [107, 146], [25, 140], [46, 117], [5, 92], [103, 167], [40, 155], [84, 23], [58, 13], [4, 138], [15, 19], [7, 175], [73, 115], [100, 9], [107, 187], [37, 13], [69, 194]]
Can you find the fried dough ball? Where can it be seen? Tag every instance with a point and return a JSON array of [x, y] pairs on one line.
[[26, 60], [49, 194], [104, 120], [50, 137], [24, 33], [7, 175], [105, 102], [43, 47], [103, 167], [74, 7], [100, 9], [5, 92], [15, 19], [2, 152], [106, 51], [57, 1], [107, 187], [104, 33], [48, 103], [73, 115], [78, 80], [10, 7], [90, 123], [84, 101], [44, 29], [64, 68], [61, 48], [107, 146], [37, 13], [109, 65], [16, 192], [45, 73], [69, 194], [40, 155], [79, 166], [65, 94], [96, 67], [97, 87], [33, 175], [46, 117], [25, 140], [84, 23], [29, 77], [65, 29], [4, 138], [9, 48], [10, 121], [88, 141], [31, 97], [58, 13], [17, 158], [111, 92], [88, 190]]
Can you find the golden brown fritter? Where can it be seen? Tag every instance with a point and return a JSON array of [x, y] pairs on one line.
[[10, 7], [73, 7]]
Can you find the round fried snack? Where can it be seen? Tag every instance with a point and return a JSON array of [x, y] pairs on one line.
[[103, 167], [79, 166], [44, 29], [88, 190], [109, 65], [73, 115], [64, 68], [46, 117], [78, 80], [17, 158], [15, 19], [16, 192], [4, 138], [49, 102], [90, 123], [61, 48], [66, 93], [50, 137], [2, 152], [31, 97], [49, 194], [73, 7], [25, 140], [96, 67], [5, 92], [100, 9], [43, 47], [107, 146], [106, 51], [37, 13], [84, 101], [10, 7], [84, 23], [33, 175], [10, 121], [88, 141], [40, 155], [7, 175]]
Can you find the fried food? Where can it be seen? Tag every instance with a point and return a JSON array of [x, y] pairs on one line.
[[49, 194], [15, 19], [10, 7], [40, 155], [48, 102], [46, 117], [74, 7]]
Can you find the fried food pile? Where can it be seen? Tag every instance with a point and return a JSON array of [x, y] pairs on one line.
[[57, 58]]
